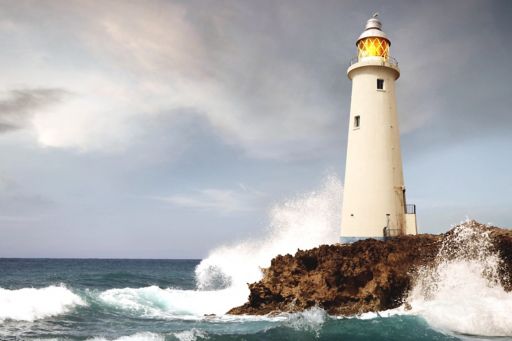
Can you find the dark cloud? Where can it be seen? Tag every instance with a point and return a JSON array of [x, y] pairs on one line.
[[18, 106]]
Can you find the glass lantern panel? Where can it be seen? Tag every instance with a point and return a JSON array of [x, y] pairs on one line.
[[373, 47]]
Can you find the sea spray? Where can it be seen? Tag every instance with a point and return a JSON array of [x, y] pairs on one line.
[[303, 222], [462, 292], [310, 320]]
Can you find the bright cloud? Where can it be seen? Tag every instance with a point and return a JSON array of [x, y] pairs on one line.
[[217, 200]]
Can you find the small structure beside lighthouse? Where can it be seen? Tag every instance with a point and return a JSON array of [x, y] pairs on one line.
[[374, 200]]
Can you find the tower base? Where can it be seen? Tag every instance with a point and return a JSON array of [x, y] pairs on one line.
[[350, 240]]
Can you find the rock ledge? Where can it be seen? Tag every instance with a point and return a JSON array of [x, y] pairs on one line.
[[349, 279]]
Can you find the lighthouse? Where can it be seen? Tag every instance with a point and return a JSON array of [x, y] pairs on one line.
[[374, 198]]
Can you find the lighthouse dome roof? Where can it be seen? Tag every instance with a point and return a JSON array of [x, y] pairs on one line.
[[373, 29]]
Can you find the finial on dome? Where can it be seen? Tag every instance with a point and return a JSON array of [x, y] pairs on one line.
[[374, 22], [373, 28]]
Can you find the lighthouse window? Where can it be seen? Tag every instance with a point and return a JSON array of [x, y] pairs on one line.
[[380, 84], [357, 121]]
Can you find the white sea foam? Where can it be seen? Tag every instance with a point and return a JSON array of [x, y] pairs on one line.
[[379, 314], [146, 336], [186, 335], [462, 293], [191, 335], [29, 304]]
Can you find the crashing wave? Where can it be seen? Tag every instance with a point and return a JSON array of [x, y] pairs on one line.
[[462, 293], [315, 215], [170, 303], [29, 304]]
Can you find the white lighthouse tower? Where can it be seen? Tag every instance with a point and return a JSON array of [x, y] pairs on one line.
[[374, 204]]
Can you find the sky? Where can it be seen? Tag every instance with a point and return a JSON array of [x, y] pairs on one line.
[[161, 129]]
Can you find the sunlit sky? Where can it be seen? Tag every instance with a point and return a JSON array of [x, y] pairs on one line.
[[164, 128]]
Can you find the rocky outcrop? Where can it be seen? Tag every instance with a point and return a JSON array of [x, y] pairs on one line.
[[368, 275]]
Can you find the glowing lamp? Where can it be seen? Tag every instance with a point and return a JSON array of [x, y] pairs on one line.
[[373, 42], [373, 47]]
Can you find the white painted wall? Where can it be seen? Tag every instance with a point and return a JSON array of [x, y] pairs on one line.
[[373, 176], [410, 224]]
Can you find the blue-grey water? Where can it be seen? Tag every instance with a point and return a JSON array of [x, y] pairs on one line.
[[91, 299]]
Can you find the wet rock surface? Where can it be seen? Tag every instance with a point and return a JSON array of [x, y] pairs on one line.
[[368, 275]]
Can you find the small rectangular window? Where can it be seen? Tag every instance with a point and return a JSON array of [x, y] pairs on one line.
[[380, 84], [357, 121]]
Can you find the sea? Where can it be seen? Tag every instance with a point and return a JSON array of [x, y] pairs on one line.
[[187, 299]]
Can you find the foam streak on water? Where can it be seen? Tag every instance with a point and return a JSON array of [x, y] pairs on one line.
[[462, 293], [136, 337]]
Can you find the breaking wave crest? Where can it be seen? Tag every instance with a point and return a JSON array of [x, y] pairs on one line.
[[463, 292], [29, 304], [156, 302]]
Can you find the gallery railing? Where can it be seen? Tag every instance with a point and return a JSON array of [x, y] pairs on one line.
[[389, 60], [410, 209]]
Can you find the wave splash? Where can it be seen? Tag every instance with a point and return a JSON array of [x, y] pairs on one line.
[[310, 320], [463, 292], [303, 222], [29, 304]]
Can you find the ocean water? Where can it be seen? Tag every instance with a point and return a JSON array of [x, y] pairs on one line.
[[74, 299], [95, 299]]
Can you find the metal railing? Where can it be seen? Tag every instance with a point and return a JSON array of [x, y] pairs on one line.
[[410, 209], [390, 233], [385, 61]]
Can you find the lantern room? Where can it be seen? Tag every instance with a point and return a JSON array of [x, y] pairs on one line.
[[373, 47], [373, 42]]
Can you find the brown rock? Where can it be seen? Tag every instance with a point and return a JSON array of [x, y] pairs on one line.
[[348, 279]]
